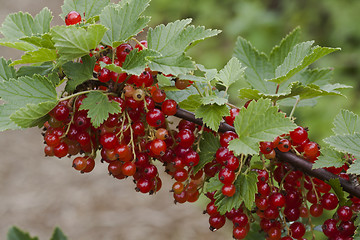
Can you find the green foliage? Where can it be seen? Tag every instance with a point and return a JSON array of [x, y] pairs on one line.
[[78, 73], [99, 107], [87, 8], [123, 20], [329, 158], [37, 56], [339, 191], [259, 122], [6, 71], [191, 103], [208, 147], [74, 42], [15, 233], [172, 41], [43, 69], [245, 192], [231, 73], [346, 122], [212, 115], [36, 93], [135, 62], [21, 24]]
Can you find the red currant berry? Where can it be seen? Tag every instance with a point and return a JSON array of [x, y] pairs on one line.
[[79, 163], [284, 145], [297, 230], [169, 107], [329, 201], [72, 18], [155, 118], [228, 190]]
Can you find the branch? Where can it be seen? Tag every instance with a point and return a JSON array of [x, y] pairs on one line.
[[296, 161]]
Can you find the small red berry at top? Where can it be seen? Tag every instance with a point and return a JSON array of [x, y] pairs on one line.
[[72, 18]]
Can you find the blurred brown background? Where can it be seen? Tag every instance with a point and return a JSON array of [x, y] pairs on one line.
[[38, 193]]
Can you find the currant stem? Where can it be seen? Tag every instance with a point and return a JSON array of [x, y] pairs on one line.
[[78, 94], [294, 107]]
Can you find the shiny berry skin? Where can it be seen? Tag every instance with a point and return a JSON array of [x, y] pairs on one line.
[[143, 43], [266, 147], [60, 112], [226, 137], [104, 75], [159, 95], [240, 220], [344, 213], [181, 175], [316, 210], [81, 121], [233, 113], [155, 118], [191, 158], [292, 214], [277, 200], [72, 18], [109, 140], [144, 185], [114, 168], [61, 150], [79, 163], [274, 233], [299, 135], [150, 171], [239, 233], [128, 169], [311, 149], [182, 84], [329, 201], [228, 190], [271, 212], [232, 163], [122, 51], [184, 124], [181, 197], [158, 147], [297, 230], [284, 145], [226, 176], [52, 139], [90, 165], [216, 222], [169, 107], [329, 228], [185, 138]]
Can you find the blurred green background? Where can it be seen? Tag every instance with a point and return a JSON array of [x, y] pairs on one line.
[[264, 23]]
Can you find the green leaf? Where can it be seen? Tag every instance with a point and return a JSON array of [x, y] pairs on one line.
[[38, 56], [257, 66], [78, 72], [163, 81], [35, 90], [43, 41], [74, 42], [339, 191], [15, 233], [225, 204], [43, 69], [22, 46], [329, 158], [349, 143], [232, 72], [58, 235], [357, 230], [172, 41], [172, 64], [213, 100], [248, 188], [346, 122], [136, 61], [354, 168], [123, 21], [31, 115], [6, 71], [208, 147], [214, 184], [259, 122], [18, 25], [299, 58], [89, 8], [281, 51], [99, 107], [191, 103], [193, 78], [181, 95], [212, 115]]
